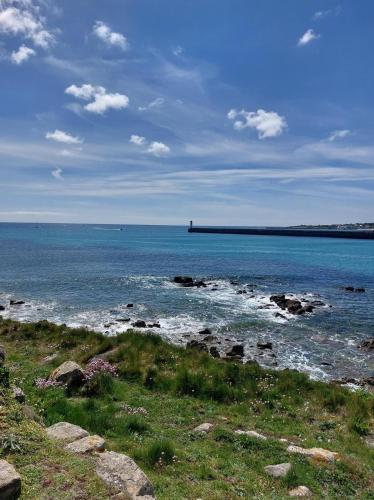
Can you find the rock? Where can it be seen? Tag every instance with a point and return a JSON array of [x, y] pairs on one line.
[[2, 308], [30, 413], [279, 315], [318, 303], [369, 440], [293, 306], [123, 320], [349, 288], [16, 302], [154, 325], [196, 344], [236, 350], [300, 491], [69, 373], [360, 290], [206, 427], [241, 292], [316, 453], [87, 445], [214, 352], [367, 344], [63, 431], [183, 280], [206, 331], [279, 470], [139, 324], [253, 434], [10, 481], [210, 338], [129, 306], [49, 358], [18, 394], [264, 345], [122, 474]]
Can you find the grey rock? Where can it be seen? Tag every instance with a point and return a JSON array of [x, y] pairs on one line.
[[279, 470], [206, 427], [69, 373], [10, 481], [300, 491], [87, 444], [18, 394], [63, 431], [122, 474]]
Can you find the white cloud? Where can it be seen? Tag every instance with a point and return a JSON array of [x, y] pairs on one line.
[[64, 137], [57, 174], [25, 20], [267, 123], [178, 51], [157, 103], [109, 37], [23, 54], [158, 149], [102, 101], [338, 134], [137, 140], [308, 37], [321, 14]]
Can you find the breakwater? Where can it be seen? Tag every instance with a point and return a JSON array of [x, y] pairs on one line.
[[317, 233]]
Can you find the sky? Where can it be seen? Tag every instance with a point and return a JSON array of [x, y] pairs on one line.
[[229, 112]]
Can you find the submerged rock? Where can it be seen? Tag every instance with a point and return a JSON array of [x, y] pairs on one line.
[[122, 474], [10, 481]]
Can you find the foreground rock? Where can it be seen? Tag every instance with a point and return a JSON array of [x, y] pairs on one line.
[[279, 470], [316, 453], [253, 434], [122, 474], [10, 481], [206, 427], [87, 445], [69, 373], [300, 491], [65, 432]]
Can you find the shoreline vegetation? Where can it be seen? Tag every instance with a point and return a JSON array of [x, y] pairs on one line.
[[198, 427]]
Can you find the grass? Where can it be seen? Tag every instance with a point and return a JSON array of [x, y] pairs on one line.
[[181, 389]]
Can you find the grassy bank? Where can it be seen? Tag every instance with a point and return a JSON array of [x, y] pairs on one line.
[[180, 389]]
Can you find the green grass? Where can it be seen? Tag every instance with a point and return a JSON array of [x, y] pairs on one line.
[[181, 389]]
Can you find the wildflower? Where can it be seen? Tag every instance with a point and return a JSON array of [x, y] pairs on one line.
[[98, 365]]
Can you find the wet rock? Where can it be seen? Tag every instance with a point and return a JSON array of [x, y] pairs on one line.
[[154, 325], [279, 470], [360, 290], [206, 427], [10, 481], [69, 373], [16, 302], [267, 357], [349, 288], [129, 306], [196, 344], [18, 394], [279, 315], [264, 345], [214, 352], [236, 350], [123, 320], [87, 445], [206, 331], [65, 432], [318, 303], [316, 453], [367, 344], [300, 491], [2, 308], [139, 324], [253, 434], [241, 292], [183, 280], [210, 338], [122, 474]]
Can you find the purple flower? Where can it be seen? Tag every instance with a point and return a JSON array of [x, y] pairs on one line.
[[98, 365], [43, 383]]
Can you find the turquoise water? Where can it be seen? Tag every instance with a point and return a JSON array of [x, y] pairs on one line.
[[86, 274]]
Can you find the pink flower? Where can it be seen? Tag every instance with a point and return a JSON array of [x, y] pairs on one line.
[[98, 365], [43, 383]]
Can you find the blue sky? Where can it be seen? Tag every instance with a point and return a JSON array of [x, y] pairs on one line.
[[225, 112]]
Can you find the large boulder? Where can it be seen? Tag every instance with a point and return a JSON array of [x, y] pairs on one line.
[[69, 373], [122, 474], [65, 432], [87, 445], [10, 481]]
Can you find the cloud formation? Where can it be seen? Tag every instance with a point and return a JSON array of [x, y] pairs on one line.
[[267, 123], [57, 174], [154, 148], [101, 100], [156, 103], [308, 37], [109, 37], [338, 134], [22, 54], [23, 18], [321, 14], [64, 137]]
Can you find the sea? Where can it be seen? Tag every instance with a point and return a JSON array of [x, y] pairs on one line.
[[85, 275]]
